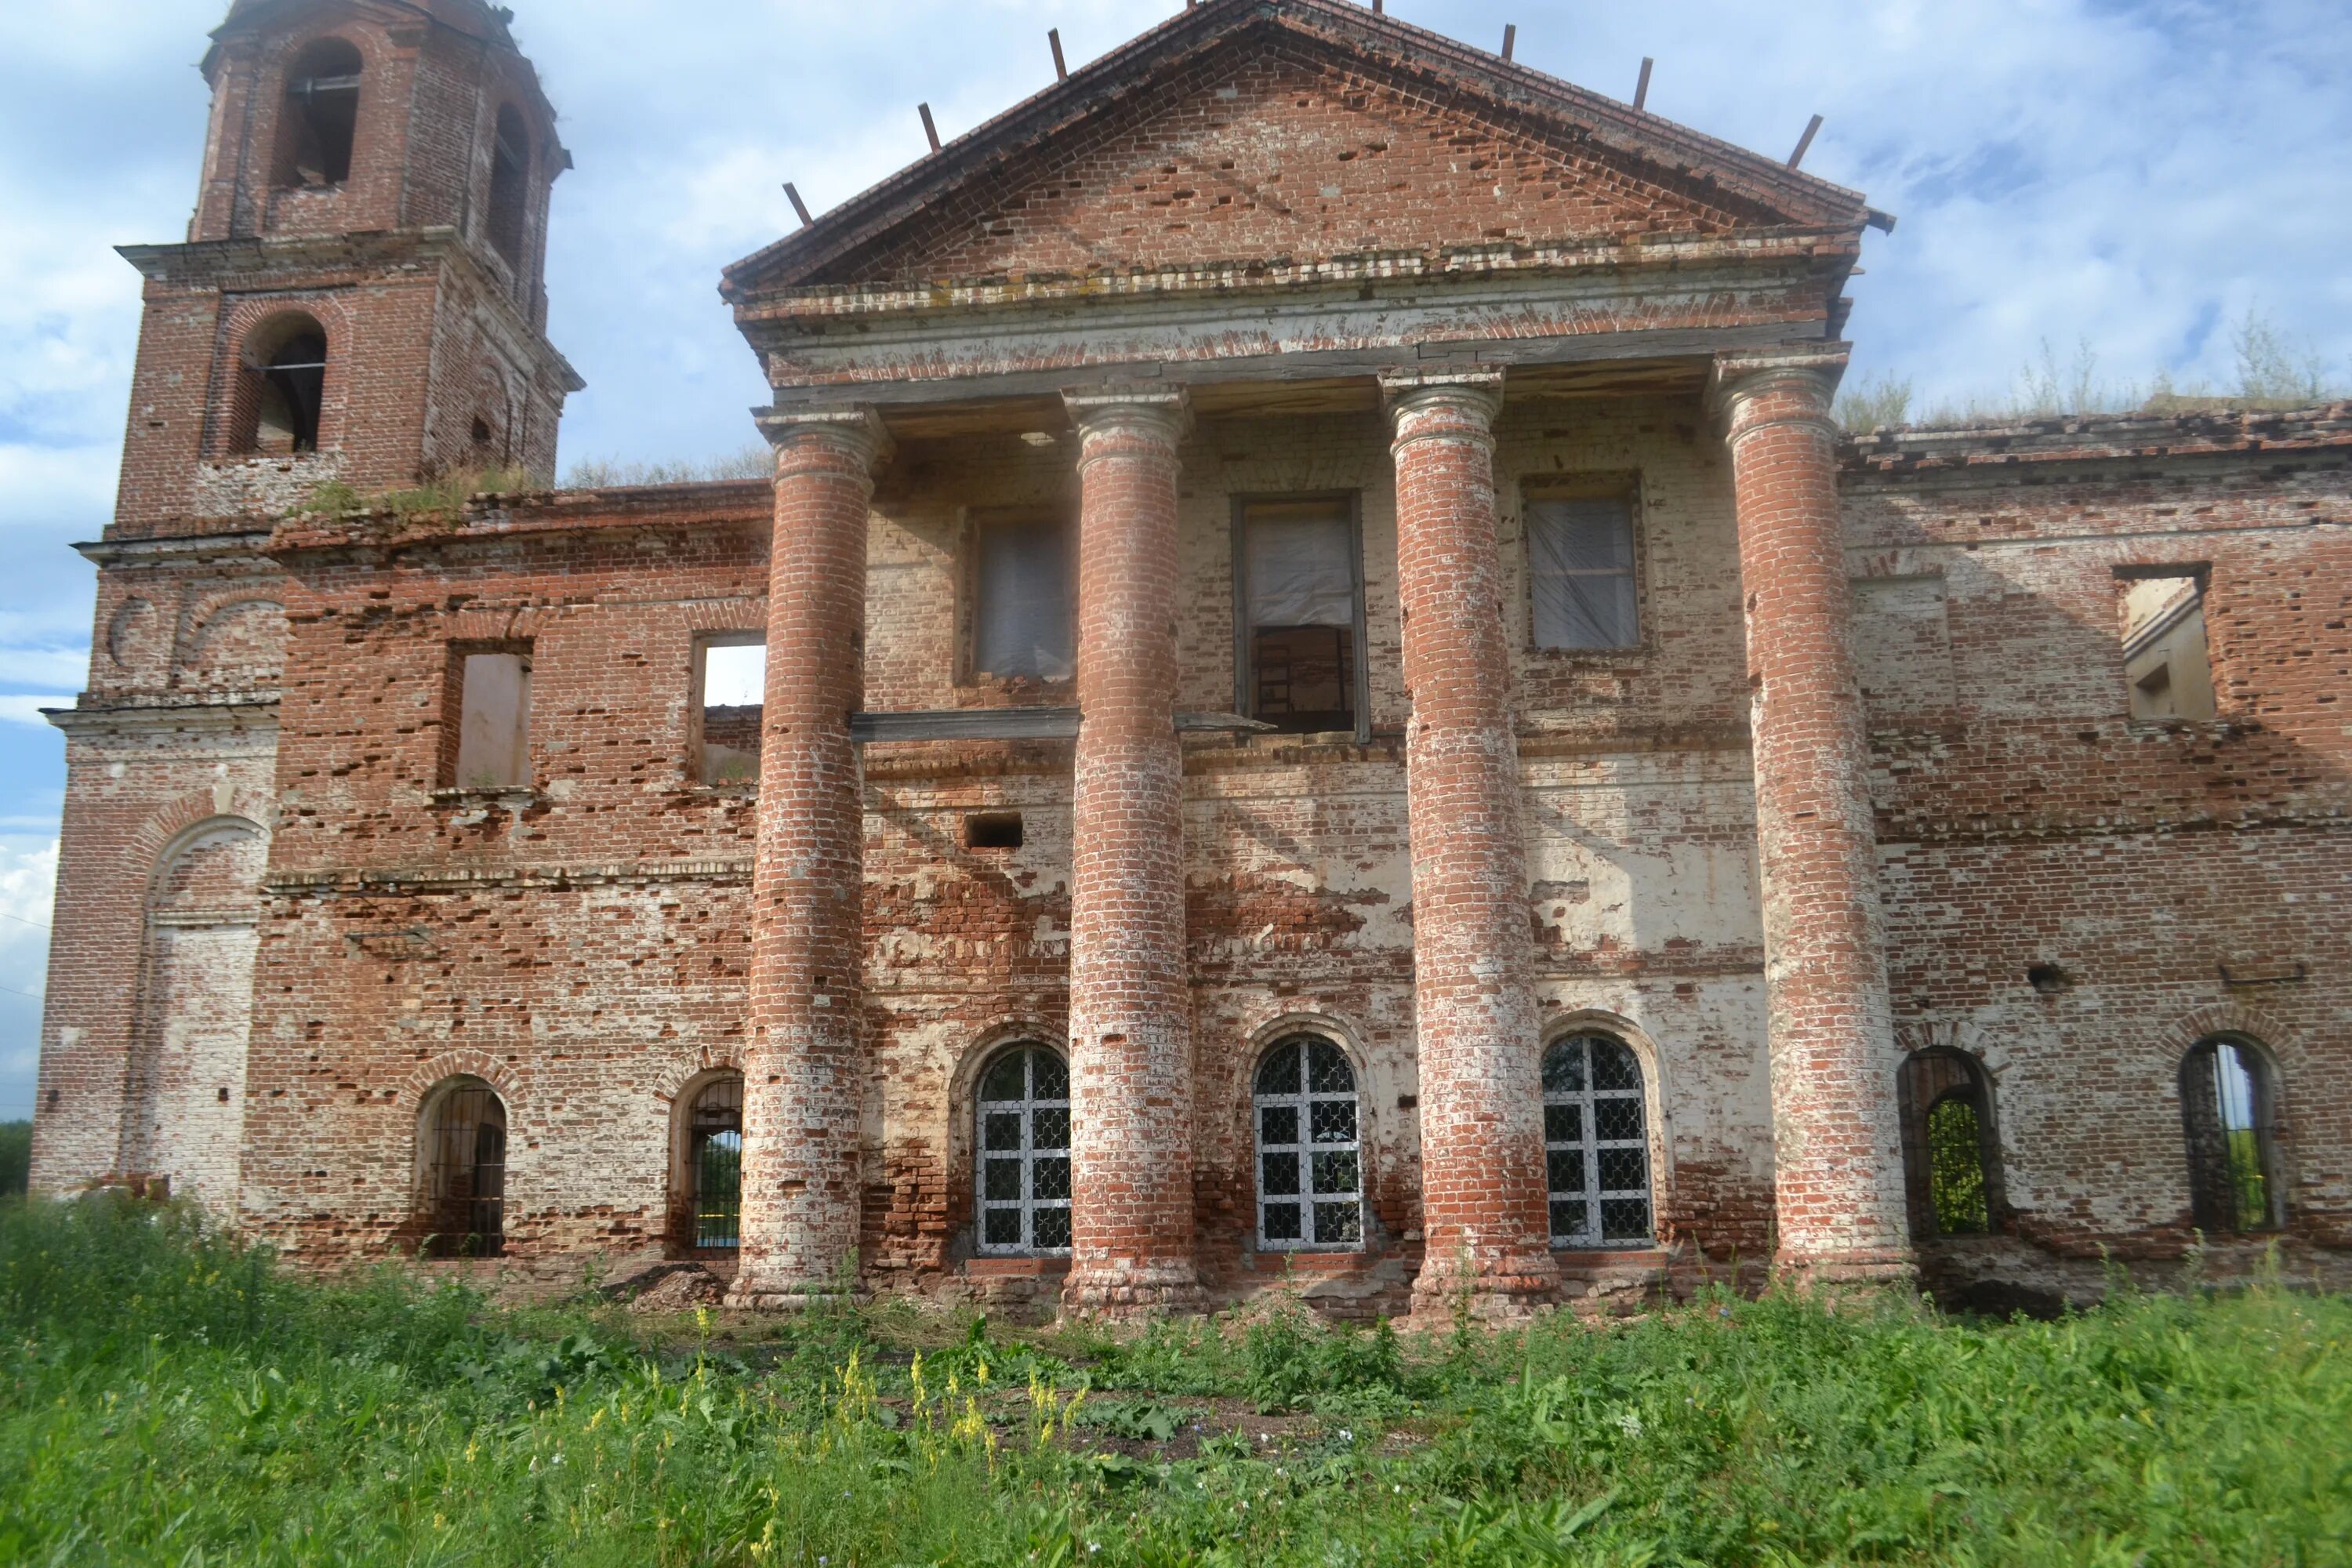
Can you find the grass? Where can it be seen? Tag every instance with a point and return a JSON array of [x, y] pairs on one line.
[[16, 1156], [167, 1396]]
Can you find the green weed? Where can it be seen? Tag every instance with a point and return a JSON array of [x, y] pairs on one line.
[[168, 1395]]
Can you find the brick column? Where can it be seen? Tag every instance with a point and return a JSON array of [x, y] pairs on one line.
[[1836, 1148], [1130, 1006], [1484, 1219], [803, 1062]]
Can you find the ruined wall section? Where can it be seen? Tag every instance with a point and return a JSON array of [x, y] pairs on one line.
[[170, 751], [2177, 878]]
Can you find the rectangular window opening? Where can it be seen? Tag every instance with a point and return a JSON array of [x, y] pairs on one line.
[[993, 830], [1298, 571], [492, 700], [1580, 578], [1022, 625], [731, 682], [2168, 672]]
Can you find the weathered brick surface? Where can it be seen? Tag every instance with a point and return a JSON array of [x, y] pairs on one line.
[[1934, 786], [1131, 1034], [1836, 1147], [804, 1049], [1483, 1219]]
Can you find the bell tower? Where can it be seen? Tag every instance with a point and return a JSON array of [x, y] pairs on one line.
[[362, 296]]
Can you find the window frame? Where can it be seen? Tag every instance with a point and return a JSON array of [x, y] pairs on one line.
[[282, 150], [1306, 1147], [1245, 671], [2262, 1075], [1590, 1144], [977, 521], [698, 672], [1028, 1205], [2129, 643], [692, 1141], [431, 1200], [1618, 485], [451, 739], [1924, 1080]]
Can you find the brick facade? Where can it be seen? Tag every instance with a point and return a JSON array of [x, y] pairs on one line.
[[1851, 794]]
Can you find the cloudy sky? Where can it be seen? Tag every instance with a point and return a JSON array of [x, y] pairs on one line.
[[2133, 175]]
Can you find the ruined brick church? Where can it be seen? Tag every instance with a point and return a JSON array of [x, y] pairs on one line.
[[1314, 698]]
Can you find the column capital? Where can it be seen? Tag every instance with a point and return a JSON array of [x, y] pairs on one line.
[[1748, 392], [1151, 410], [855, 431], [1452, 404]]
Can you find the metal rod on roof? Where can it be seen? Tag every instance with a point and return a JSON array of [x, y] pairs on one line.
[[1378, 9], [1061, 65], [1510, 38], [1642, 88], [799, 205], [932, 130], [1804, 142]]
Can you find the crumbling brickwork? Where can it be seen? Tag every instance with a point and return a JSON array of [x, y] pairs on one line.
[[1833, 771]]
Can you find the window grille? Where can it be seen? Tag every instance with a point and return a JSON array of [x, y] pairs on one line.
[[1024, 1114], [714, 1163], [1596, 1144], [2225, 1105], [1951, 1158], [465, 1172], [1310, 1179]]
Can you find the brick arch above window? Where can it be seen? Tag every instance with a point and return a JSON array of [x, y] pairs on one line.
[[417, 1087], [153, 838], [248, 328]]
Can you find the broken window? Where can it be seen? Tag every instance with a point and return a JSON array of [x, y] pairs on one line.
[[1581, 574], [1022, 625], [321, 116], [1596, 1144], [463, 1133], [2166, 666], [2226, 1099], [1310, 1176], [509, 186], [714, 1164], [1299, 586], [1950, 1156], [1024, 1115], [284, 387], [491, 747], [731, 683]]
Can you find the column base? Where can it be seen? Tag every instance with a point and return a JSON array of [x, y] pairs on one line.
[[1501, 1287], [1862, 1270], [772, 1295], [1155, 1291]]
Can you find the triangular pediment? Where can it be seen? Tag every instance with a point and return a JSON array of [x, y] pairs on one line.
[[1290, 131]]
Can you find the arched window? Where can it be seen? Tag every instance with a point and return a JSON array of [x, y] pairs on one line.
[[1310, 1168], [283, 387], [1596, 1144], [463, 1134], [1024, 1113], [714, 1164], [1951, 1164], [2226, 1108], [509, 186], [321, 116]]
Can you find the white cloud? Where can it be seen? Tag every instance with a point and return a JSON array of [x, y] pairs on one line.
[[20, 708], [28, 881]]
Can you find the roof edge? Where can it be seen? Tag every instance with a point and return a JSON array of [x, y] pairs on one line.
[[1093, 86]]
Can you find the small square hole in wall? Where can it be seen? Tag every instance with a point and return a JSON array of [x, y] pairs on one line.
[[993, 830]]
